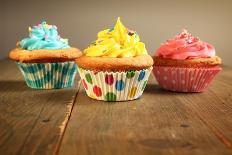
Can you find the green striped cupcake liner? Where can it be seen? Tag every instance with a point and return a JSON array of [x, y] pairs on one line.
[[48, 75]]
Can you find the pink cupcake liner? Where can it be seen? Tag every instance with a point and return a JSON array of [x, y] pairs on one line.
[[181, 79]]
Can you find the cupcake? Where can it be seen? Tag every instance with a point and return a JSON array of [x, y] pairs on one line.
[[116, 66], [45, 59], [185, 64]]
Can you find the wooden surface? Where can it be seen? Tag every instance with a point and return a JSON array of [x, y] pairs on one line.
[[67, 122]]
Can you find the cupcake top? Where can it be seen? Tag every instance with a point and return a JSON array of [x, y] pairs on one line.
[[186, 50], [43, 36], [116, 49], [116, 42], [44, 44], [185, 46]]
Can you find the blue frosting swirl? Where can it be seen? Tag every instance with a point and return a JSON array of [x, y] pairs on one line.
[[43, 36]]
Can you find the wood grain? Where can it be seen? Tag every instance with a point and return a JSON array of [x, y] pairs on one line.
[[31, 121], [68, 122], [160, 122], [214, 107]]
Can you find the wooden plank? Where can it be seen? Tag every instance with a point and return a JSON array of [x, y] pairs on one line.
[[214, 107], [159, 123], [31, 121]]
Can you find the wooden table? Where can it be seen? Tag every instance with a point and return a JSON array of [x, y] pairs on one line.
[[67, 122]]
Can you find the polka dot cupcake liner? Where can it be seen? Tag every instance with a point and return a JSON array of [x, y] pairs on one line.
[[185, 79], [114, 86], [48, 75]]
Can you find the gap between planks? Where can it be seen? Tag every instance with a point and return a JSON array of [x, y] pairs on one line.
[[66, 120]]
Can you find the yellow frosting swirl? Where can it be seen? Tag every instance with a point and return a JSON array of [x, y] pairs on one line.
[[117, 42]]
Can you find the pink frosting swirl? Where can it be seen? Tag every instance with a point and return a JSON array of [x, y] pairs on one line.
[[185, 46]]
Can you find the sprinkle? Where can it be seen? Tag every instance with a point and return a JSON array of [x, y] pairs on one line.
[[99, 41], [44, 23], [58, 37], [54, 26], [46, 37], [64, 40], [47, 26], [184, 31], [29, 29], [43, 20], [189, 41], [131, 33], [110, 30], [93, 43], [39, 26]]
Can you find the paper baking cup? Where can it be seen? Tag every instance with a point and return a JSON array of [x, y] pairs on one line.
[[48, 75], [114, 86], [185, 79]]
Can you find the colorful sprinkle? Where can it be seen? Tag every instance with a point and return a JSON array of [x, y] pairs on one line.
[[88, 78], [119, 85], [110, 30], [29, 29], [97, 91], [33, 36], [44, 22], [47, 26], [84, 84], [110, 97], [65, 40], [130, 74], [132, 92], [54, 26], [109, 79], [46, 37], [141, 75], [39, 26]]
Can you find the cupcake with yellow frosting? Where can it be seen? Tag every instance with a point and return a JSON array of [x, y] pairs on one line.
[[116, 66]]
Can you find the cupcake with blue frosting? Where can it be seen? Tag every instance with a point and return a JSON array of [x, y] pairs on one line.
[[45, 59]]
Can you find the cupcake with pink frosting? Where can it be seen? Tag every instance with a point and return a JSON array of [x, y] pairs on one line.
[[185, 64]]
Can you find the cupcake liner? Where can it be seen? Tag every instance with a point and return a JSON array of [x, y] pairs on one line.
[[48, 75], [114, 86], [180, 79]]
